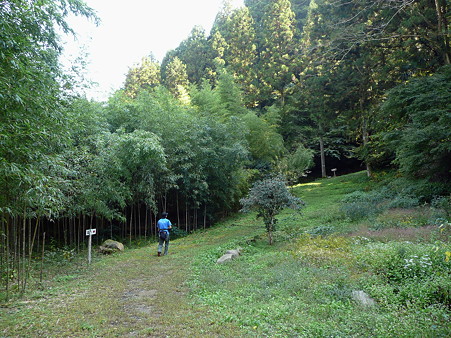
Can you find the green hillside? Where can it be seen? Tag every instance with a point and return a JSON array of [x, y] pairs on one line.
[[300, 286]]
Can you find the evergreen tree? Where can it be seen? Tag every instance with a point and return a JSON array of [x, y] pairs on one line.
[[278, 50], [415, 122], [145, 75], [218, 46], [230, 95], [241, 53], [176, 80], [195, 53]]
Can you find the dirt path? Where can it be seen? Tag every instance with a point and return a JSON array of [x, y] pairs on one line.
[[134, 294]]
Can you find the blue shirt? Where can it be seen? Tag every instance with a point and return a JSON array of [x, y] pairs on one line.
[[164, 224]]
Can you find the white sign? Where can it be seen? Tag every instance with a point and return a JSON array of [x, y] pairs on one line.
[[91, 232]]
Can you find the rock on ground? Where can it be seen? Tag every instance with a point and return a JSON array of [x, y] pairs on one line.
[[228, 256], [362, 298], [110, 246]]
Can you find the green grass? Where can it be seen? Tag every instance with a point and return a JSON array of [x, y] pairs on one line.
[[300, 286]]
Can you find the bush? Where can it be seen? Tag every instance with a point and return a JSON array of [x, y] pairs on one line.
[[176, 232], [403, 202], [420, 111], [268, 197], [422, 189], [442, 203], [359, 204], [410, 274]]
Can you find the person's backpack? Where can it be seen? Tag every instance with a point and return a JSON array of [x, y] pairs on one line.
[[163, 235]]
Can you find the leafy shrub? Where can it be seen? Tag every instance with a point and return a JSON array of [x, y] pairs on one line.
[[422, 189], [442, 203], [400, 218], [268, 197], [432, 290], [401, 201], [60, 256], [298, 162], [176, 232], [358, 210], [420, 110], [443, 231], [398, 261], [359, 204], [410, 274]]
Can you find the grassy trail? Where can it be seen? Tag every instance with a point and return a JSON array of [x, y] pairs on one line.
[[132, 294]]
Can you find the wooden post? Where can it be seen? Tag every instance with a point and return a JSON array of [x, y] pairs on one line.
[[89, 247], [89, 233]]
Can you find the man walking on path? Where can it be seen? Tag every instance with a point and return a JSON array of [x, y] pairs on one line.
[[163, 227]]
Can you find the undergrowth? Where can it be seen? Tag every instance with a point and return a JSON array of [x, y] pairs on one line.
[[395, 250], [304, 284]]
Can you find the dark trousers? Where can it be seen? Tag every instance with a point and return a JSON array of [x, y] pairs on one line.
[[166, 244]]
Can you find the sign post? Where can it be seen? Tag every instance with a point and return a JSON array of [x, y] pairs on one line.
[[90, 232]]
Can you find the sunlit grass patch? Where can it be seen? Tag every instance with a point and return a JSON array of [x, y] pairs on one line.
[[321, 250]]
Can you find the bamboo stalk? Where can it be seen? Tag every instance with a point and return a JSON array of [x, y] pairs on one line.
[[24, 229], [30, 250], [145, 222], [7, 259], [139, 219], [131, 222], [42, 256]]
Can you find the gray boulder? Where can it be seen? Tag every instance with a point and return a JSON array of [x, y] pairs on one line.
[[224, 258], [110, 246], [234, 253], [229, 255]]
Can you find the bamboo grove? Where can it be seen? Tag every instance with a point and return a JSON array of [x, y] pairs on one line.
[[276, 86]]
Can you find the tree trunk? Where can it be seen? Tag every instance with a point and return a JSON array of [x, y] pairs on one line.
[[186, 216], [30, 250], [323, 157], [205, 215], [42, 256], [442, 28], [7, 258], [146, 221], [78, 232], [365, 136], [139, 220], [131, 227], [23, 265], [270, 238], [178, 209]]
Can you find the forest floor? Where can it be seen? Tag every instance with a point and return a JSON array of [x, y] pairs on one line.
[[299, 287]]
